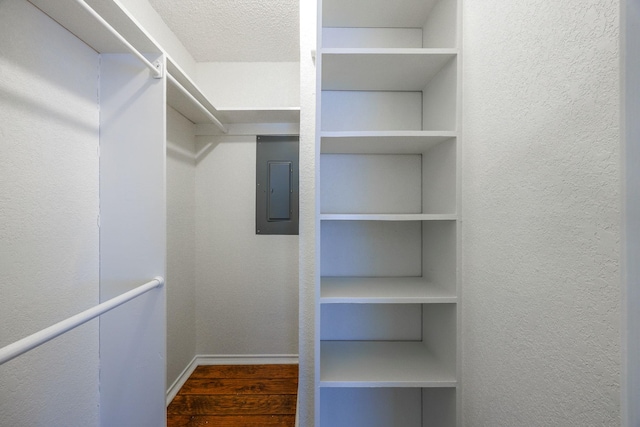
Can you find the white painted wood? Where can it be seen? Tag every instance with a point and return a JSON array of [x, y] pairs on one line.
[[439, 252], [261, 115], [387, 249], [396, 142], [456, 418], [439, 407], [188, 105], [395, 69], [73, 17], [631, 216], [384, 290], [175, 387], [253, 85], [371, 322], [261, 128], [157, 70], [370, 67], [247, 359], [132, 242], [376, 13], [390, 184], [148, 18], [388, 217], [371, 38], [177, 100], [371, 248], [371, 111], [381, 364], [440, 29], [439, 178], [384, 407], [69, 14], [370, 183], [439, 326], [390, 248], [248, 115], [440, 97], [181, 254], [372, 407], [275, 121]]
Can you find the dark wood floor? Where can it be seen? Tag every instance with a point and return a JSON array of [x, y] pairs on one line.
[[237, 396]]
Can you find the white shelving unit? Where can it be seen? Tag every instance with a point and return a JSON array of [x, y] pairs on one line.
[[188, 106], [389, 291], [78, 21], [381, 142], [395, 69], [383, 290], [186, 97], [376, 364], [191, 106]]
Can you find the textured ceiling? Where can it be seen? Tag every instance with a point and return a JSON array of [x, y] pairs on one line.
[[234, 30]]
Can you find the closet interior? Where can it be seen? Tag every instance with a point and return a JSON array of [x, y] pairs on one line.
[[142, 222], [388, 135], [124, 158]]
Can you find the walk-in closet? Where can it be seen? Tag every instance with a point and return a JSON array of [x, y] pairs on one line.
[[461, 211]]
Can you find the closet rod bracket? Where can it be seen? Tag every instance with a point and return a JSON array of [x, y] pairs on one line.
[[159, 69]]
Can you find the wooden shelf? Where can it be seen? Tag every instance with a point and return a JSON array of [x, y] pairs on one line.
[[382, 142], [84, 26], [88, 29], [260, 115], [395, 69], [177, 100], [388, 217], [382, 290], [184, 105], [381, 364], [376, 13]]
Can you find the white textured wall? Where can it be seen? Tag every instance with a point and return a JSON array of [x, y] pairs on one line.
[[250, 84], [181, 251], [48, 218], [541, 207], [309, 253], [247, 284]]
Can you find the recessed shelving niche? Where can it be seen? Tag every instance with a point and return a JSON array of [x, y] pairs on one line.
[[389, 213]]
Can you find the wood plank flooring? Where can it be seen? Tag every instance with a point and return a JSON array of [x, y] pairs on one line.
[[236, 396]]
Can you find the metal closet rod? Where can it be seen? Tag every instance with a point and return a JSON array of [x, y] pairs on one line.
[[156, 69], [32, 341], [193, 99]]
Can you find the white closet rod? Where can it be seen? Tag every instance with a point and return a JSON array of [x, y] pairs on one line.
[[32, 341], [193, 99], [156, 69]]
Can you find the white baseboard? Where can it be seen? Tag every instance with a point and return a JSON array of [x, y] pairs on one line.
[[182, 378], [227, 359], [247, 359]]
